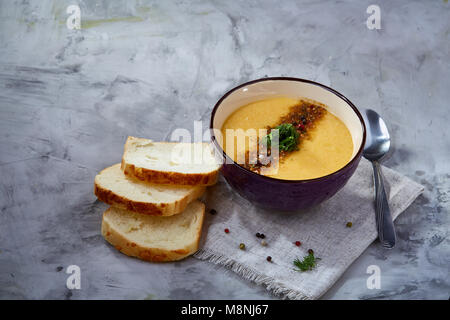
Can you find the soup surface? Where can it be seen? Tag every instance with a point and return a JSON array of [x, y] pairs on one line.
[[326, 147]]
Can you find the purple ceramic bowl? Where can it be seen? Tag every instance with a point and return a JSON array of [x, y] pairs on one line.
[[287, 195]]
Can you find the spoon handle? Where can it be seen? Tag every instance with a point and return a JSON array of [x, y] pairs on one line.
[[385, 225]]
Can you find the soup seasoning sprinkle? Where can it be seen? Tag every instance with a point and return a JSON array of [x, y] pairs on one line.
[[242, 246], [349, 224], [310, 251], [263, 243], [298, 243], [304, 114], [227, 230], [262, 236], [258, 235], [269, 258], [212, 211], [292, 129]]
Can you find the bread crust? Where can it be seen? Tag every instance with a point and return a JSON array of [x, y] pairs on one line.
[[167, 177], [156, 209], [128, 247]]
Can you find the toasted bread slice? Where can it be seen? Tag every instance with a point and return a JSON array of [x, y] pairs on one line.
[[115, 188], [170, 162], [154, 238]]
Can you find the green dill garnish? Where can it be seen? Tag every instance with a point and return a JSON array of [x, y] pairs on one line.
[[308, 263], [288, 137]]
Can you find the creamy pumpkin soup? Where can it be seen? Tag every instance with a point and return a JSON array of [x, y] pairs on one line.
[[312, 142]]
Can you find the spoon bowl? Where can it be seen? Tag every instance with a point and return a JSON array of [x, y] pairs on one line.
[[378, 140]]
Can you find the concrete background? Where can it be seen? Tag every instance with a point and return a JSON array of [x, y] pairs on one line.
[[69, 98]]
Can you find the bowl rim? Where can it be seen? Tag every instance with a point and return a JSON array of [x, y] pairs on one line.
[[338, 94]]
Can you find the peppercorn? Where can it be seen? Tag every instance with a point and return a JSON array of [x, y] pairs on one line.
[[212, 211], [262, 236], [298, 243], [310, 251], [258, 235], [242, 246], [349, 224], [303, 119], [227, 230], [269, 258]]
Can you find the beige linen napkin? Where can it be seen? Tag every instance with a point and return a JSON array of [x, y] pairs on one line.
[[322, 229]]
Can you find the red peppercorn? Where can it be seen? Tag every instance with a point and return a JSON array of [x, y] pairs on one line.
[[227, 230], [298, 243]]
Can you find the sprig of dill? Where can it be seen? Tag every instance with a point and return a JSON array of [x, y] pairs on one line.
[[308, 263], [288, 137]]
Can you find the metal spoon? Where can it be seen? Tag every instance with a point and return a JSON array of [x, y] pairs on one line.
[[377, 145]]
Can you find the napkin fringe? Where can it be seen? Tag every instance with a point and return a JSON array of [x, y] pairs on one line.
[[250, 274]]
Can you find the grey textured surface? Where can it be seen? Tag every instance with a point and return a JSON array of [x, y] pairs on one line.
[[69, 98]]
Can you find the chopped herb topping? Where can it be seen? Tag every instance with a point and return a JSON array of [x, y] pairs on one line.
[[287, 135]]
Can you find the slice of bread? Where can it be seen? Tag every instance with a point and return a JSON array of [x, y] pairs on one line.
[[154, 238], [115, 188], [170, 162]]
